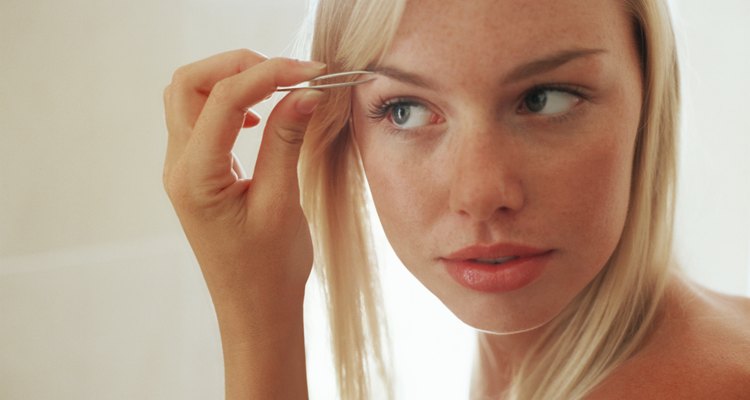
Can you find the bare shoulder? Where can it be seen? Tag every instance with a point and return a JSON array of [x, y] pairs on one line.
[[700, 349]]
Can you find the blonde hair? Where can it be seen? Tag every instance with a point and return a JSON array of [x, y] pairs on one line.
[[601, 328]]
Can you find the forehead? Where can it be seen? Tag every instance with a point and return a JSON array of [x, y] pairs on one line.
[[494, 33]]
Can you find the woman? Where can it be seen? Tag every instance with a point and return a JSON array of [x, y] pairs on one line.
[[521, 157]]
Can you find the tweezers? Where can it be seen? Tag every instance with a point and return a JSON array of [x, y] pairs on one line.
[[309, 84]]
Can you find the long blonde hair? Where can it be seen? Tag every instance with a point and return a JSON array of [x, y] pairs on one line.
[[601, 328]]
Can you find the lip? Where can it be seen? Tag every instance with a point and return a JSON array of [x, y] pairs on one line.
[[515, 274]]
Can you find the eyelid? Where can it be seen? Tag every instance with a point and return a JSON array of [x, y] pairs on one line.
[[379, 113], [559, 87], [573, 90], [379, 110]]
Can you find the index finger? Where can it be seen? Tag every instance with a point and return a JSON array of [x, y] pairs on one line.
[[191, 84], [222, 116], [202, 75]]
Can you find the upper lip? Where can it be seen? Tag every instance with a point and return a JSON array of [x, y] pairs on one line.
[[493, 251]]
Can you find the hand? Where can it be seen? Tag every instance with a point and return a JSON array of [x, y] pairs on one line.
[[250, 236]]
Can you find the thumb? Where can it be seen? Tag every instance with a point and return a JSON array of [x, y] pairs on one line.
[[276, 166]]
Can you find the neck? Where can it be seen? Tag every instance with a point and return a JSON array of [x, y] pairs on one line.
[[497, 357]]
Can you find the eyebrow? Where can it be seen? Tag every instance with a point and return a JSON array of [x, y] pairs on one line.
[[549, 63], [404, 76], [521, 72]]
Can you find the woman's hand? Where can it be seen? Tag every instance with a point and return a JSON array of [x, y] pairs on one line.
[[250, 236]]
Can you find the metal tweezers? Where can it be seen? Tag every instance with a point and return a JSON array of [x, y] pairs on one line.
[[311, 83]]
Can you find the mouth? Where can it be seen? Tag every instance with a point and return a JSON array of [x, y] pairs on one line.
[[497, 268], [494, 261], [499, 253]]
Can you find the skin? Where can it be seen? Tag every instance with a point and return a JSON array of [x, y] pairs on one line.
[[699, 350], [482, 169], [249, 235], [485, 170]]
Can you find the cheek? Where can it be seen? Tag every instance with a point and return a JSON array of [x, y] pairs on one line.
[[397, 191], [592, 196], [405, 193]]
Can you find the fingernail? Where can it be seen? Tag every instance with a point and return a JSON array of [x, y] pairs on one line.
[[309, 101], [313, 64], [252, 114]]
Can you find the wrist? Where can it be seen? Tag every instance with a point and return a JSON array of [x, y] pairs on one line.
[[243, 317]]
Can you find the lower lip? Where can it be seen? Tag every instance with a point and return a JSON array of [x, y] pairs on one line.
[[506, 277]]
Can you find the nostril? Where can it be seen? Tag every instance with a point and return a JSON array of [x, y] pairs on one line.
[[482, 201], [485, 175]]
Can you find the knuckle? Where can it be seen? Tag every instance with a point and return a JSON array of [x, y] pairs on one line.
[[222, 91], [247, 58], [245, 53], [290, 134], [170, 183], [177, 193], [167, 94], [282, 61], [173, 180], [167, 182], [278, 64], [181, 75]]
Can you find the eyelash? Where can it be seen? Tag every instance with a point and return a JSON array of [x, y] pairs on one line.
[[381, 109], [573, 90]]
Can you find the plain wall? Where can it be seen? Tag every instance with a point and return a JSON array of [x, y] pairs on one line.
[[100, 297], [713, 214]]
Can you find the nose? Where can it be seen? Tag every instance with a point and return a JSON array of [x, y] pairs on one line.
[[485, 177]]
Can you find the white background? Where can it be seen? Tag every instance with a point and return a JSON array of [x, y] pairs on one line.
[[99, 295]]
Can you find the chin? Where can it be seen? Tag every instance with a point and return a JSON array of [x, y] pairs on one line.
[[507, 326], [507, 313]]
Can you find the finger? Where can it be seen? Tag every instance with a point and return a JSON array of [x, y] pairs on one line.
[[191, 84], [202, 75], [174, 145], [276, 166], [251, 119], [223, 115]]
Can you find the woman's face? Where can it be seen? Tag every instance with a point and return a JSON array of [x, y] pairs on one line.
[[498, 142]]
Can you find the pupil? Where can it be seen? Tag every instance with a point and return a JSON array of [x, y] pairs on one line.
[[536, 101], [401, 114]]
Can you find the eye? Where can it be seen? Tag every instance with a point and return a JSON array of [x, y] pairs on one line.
[[406, 115], [549, 101]]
